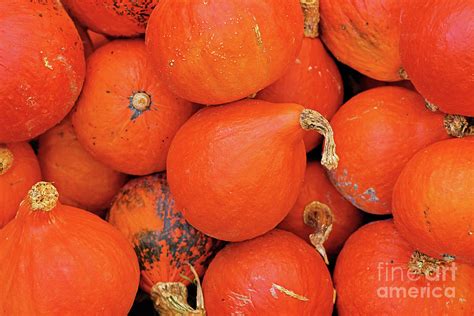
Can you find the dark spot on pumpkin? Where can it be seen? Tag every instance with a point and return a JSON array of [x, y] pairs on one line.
[[427, 221], [107, 91], [40, 15], [138, 10]]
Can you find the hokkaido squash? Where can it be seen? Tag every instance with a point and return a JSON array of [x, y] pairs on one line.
[[236, 170], [19, 170], [125, 117], [97, 39], [86, 41], [42, 67], [379, 273], [320, 205], [213, 52], [60, 260], [112, 17], [364, 35], [444, 30], [274, 274], [144, 211], [433, 200], [82, 181], [377, 132]]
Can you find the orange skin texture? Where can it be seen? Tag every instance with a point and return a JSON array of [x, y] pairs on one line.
[[239, 281], [97, 39], [374, 262], [433, 200], [109, 127], [213, 52], [124, 18], [317, 187], [16, 181], [445, 31], [94, 271], [248, 161], [313, 81], [364, 35], [41, 71], [81, 180], [164, 242], [376, 133]]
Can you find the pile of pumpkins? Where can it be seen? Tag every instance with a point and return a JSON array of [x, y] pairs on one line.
[[157, 144]]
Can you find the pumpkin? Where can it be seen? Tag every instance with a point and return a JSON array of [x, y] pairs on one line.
[[274, 274], [97, 39], [313, 80], [86, 41], [379, 273], [248, 161], [213, 52], [82, 181], [444, 29], [125, 117], [19, 170], [42, 67], [377, 132], [60, 260], [317, 198], [433, 200], [364, 35], [112, 17], [144, 211]]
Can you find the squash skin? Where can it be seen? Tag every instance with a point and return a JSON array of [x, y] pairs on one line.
[[81, 180], [124, 18], [144, 211], [433, 200], [376, 133], [313, 81], [241, 278], [17, 180], [107, 124], [364, 35], [445, 29], [214, 52], [248, 160], [41, 72], [377, 249]]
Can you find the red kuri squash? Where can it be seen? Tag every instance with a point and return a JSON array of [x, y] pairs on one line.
[[125, 117], [274, 274], [19, 170], [236, 170], [214, 52], [60, 260], [97, 39], [443, 30], [379, 273], [82, 181], [433, 200], [41, 67]]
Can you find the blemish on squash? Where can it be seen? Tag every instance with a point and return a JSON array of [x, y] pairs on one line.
[[258, 35], [372, 195], [240, 300], [47, 64], [276, 287]]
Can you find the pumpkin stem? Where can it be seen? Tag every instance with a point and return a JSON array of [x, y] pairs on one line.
[[319, 216], [171, 298], [456, 125], [141, 101], [311, 17], [421, 264], [430, 106], [6, 159], [43, 196], [313, 120]]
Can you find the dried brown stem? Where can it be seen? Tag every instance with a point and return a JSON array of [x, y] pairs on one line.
[[319, 216], [6, 159], [311, 17], [43, 196]]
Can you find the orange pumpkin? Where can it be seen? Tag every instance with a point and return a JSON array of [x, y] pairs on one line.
[[125, 117], [236, 170], [60, 260], [42, 67], [112, 17], [97, 39], [19, 170], [344, 217], [82, 181], [213, 52], [164, 242], [274, 274], [376, 133], [444, 30], [364, 35], [313, 80], [379, 273], [433, 200], [86, 41]]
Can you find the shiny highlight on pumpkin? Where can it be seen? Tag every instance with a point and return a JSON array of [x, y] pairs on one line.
[[43, 196]]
